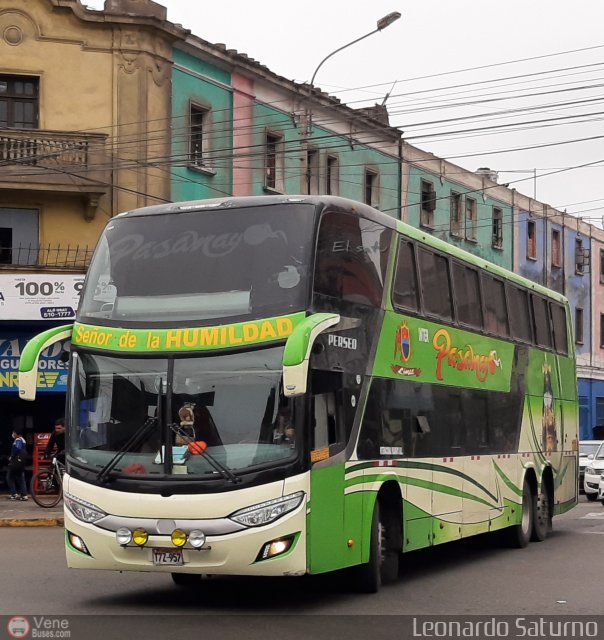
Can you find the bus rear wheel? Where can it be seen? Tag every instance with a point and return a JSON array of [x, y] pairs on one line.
[[542, 515], [382, 567], [520, 534]]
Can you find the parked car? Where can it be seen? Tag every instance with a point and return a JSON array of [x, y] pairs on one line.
[[601, 490], [587, 450], [593, 470]]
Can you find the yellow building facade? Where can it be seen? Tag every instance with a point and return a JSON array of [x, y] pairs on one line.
[[85, 101]]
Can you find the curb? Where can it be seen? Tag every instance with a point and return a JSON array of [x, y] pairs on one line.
[[31, 522]]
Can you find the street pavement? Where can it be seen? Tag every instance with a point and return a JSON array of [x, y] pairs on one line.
[[15, 513]]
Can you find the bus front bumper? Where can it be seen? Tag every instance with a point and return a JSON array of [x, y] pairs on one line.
[[246, 552]]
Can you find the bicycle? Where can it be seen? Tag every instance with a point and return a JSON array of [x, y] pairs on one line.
[[46, 486]]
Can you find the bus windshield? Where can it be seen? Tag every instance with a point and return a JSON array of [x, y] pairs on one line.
[[124, 410], [242, 263]]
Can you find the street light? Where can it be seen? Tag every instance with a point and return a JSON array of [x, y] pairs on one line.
[[382, 23]]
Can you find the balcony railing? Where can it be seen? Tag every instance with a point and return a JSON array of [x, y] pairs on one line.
[[70, 257], [34, 147]]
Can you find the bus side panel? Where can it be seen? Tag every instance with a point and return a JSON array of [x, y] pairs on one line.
[[334, 520]]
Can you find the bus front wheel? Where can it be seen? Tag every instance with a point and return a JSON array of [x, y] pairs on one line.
[[382, 567]]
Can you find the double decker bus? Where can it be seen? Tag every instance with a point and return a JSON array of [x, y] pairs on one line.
[[296, 385]]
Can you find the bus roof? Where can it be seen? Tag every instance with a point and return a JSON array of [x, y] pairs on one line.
[[350, 206]]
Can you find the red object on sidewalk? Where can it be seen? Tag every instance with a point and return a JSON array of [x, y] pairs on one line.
[[38, 461]]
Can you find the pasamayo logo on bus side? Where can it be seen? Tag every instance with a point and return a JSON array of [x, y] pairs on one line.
[[450, 354]]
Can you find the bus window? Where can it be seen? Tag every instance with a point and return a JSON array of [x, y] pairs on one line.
[[435, 286], [543, 334], [404, 293], [496, 316], [520, 322], [467, 295], [352, 255], [559, 325]]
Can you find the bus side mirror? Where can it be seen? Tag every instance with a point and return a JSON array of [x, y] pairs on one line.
[[298, 349], [28, 364]]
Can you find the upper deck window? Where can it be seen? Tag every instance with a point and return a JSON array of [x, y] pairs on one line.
[[200, 266], [352, 254]]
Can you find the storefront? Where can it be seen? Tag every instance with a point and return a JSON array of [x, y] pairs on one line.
[[29, 304]]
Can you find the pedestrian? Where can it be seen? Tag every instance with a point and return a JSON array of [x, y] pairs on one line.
[[15, 475], [56, 442]]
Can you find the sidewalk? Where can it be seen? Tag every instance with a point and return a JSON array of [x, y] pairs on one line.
[[28, 514]]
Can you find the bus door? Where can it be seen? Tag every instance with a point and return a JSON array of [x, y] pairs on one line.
[[334, 518]]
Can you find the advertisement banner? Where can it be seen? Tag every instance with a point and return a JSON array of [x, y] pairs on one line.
[[52, 373], [39, 296]]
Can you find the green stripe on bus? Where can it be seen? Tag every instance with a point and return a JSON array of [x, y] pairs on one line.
[[422, 484]]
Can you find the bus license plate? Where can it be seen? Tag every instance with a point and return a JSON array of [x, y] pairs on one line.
[[168, 556]]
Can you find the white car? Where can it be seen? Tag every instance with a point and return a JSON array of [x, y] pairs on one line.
[[593, 470], [587, 450]]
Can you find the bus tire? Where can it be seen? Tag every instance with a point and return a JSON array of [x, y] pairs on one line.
[[519, 535], [382, 567], [186, 579], [542, 516]]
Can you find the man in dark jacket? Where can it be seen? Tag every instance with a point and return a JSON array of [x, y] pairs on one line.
[[15, 475], [57, 441]]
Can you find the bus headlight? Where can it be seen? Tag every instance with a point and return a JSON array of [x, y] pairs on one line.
[[83, 510], [269, 511]]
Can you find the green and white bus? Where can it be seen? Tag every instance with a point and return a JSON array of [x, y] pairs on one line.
[[295, 385]]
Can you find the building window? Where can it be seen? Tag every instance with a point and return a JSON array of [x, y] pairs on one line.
[[312, 172], [579, 325], [497, 239], [19, 236], [332, 176], [601, 265], [6, 245], [579, 256], [273, 162], [198, 135], [455, 204], [531, 240], [602, 331], [18, 102], [556, 259], [371, 188], [470, 219], [428, 204]]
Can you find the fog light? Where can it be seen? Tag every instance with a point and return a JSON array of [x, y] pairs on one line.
[[123, 536], [140, 537], [197, 538], [178, 538], [275, 548], [77, 543]]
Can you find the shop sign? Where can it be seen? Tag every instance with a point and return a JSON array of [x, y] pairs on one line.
[[39, 296], [52, 373]]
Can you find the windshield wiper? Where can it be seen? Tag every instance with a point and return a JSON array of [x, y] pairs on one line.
[[137, 438], [222, 469]]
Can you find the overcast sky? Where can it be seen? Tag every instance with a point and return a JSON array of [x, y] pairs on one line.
[[503, 53]]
